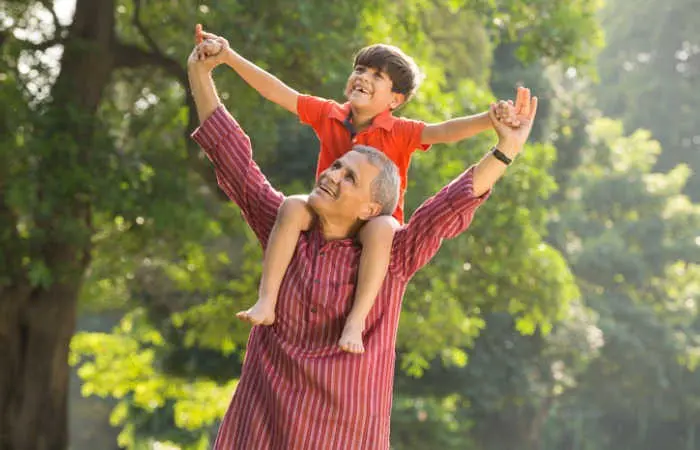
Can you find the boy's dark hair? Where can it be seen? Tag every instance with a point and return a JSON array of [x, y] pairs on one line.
[[402, 70]]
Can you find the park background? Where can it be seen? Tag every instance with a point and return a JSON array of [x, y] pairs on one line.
[[565, 319]]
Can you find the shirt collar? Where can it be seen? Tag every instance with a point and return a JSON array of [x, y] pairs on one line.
[[383, 120], [317, 235]]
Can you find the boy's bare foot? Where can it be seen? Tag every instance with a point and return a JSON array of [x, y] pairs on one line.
[[351, 339], [258, 314]]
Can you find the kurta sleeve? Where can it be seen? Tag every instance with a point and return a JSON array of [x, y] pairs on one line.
[[445, 215], [230, 151]]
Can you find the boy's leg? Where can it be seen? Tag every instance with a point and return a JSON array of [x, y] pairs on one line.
[[293, 217], [376, 237]]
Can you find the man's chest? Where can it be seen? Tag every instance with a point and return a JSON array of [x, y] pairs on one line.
[[318, 289]]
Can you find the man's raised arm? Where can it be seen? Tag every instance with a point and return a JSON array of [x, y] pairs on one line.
[[450, 211], [202, 86], [229, 149], [511, 141]]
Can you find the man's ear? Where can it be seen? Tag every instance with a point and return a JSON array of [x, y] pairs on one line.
[[370, 210], [397, 100]]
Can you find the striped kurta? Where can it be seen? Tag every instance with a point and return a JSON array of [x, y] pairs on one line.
[[297, 389]]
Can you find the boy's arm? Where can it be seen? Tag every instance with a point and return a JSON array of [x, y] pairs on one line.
[[455, 129], [269, 86], [464, 127]]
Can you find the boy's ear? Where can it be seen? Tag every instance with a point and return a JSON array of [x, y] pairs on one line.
[[397, 100]]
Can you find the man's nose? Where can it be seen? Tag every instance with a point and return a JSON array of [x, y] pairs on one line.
[[334, 175]]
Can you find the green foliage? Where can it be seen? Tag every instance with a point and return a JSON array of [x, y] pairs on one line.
[[630, 235], [429, 423], [123, 365], [178, 262], [649, 75]]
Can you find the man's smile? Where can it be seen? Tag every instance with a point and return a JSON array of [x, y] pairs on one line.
[[327, 189]]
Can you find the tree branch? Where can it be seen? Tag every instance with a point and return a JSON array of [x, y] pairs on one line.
[[136, 20], [41, 46], [7, 34], [131, 56]]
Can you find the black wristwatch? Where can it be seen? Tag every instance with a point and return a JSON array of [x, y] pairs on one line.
[[499, 155]]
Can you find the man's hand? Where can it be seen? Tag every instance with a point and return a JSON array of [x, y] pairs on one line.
[[513, 126], [511, 140], [209, 52], [209, 47], [199, 73], [198, 38]]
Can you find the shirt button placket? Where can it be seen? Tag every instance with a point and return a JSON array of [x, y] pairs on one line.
[[316, 285]]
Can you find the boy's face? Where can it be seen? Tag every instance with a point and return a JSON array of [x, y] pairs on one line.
[[369, 90]]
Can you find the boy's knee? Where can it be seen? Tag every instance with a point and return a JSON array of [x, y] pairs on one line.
[[295, 210], [379, 228], [293, 203]]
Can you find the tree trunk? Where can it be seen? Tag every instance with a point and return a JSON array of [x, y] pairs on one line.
[[536, 425], [34, 380], [37, 320]]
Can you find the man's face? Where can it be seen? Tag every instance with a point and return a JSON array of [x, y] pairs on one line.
[[344, 189], [369, 90]]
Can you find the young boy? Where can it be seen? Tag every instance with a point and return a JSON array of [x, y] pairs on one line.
[[383, 79]]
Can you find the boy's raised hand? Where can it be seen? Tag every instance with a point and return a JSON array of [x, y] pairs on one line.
[[208, 44], [506, 113], [511, 114]]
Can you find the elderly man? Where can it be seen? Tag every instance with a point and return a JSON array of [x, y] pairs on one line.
[[298, 389]]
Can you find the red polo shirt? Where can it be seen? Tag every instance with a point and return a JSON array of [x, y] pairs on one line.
[[397, 137]]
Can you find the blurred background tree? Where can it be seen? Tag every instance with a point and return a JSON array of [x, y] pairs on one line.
[[565, 319]]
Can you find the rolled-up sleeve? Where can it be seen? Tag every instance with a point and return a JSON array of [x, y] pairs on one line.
[[443, 216], [230, 151]]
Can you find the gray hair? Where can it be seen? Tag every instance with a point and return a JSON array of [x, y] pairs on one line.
[[385, 186]]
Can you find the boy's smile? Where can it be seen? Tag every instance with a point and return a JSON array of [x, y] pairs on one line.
[[369, 92]]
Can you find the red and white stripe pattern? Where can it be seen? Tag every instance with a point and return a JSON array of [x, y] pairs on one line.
[[298, 390]]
